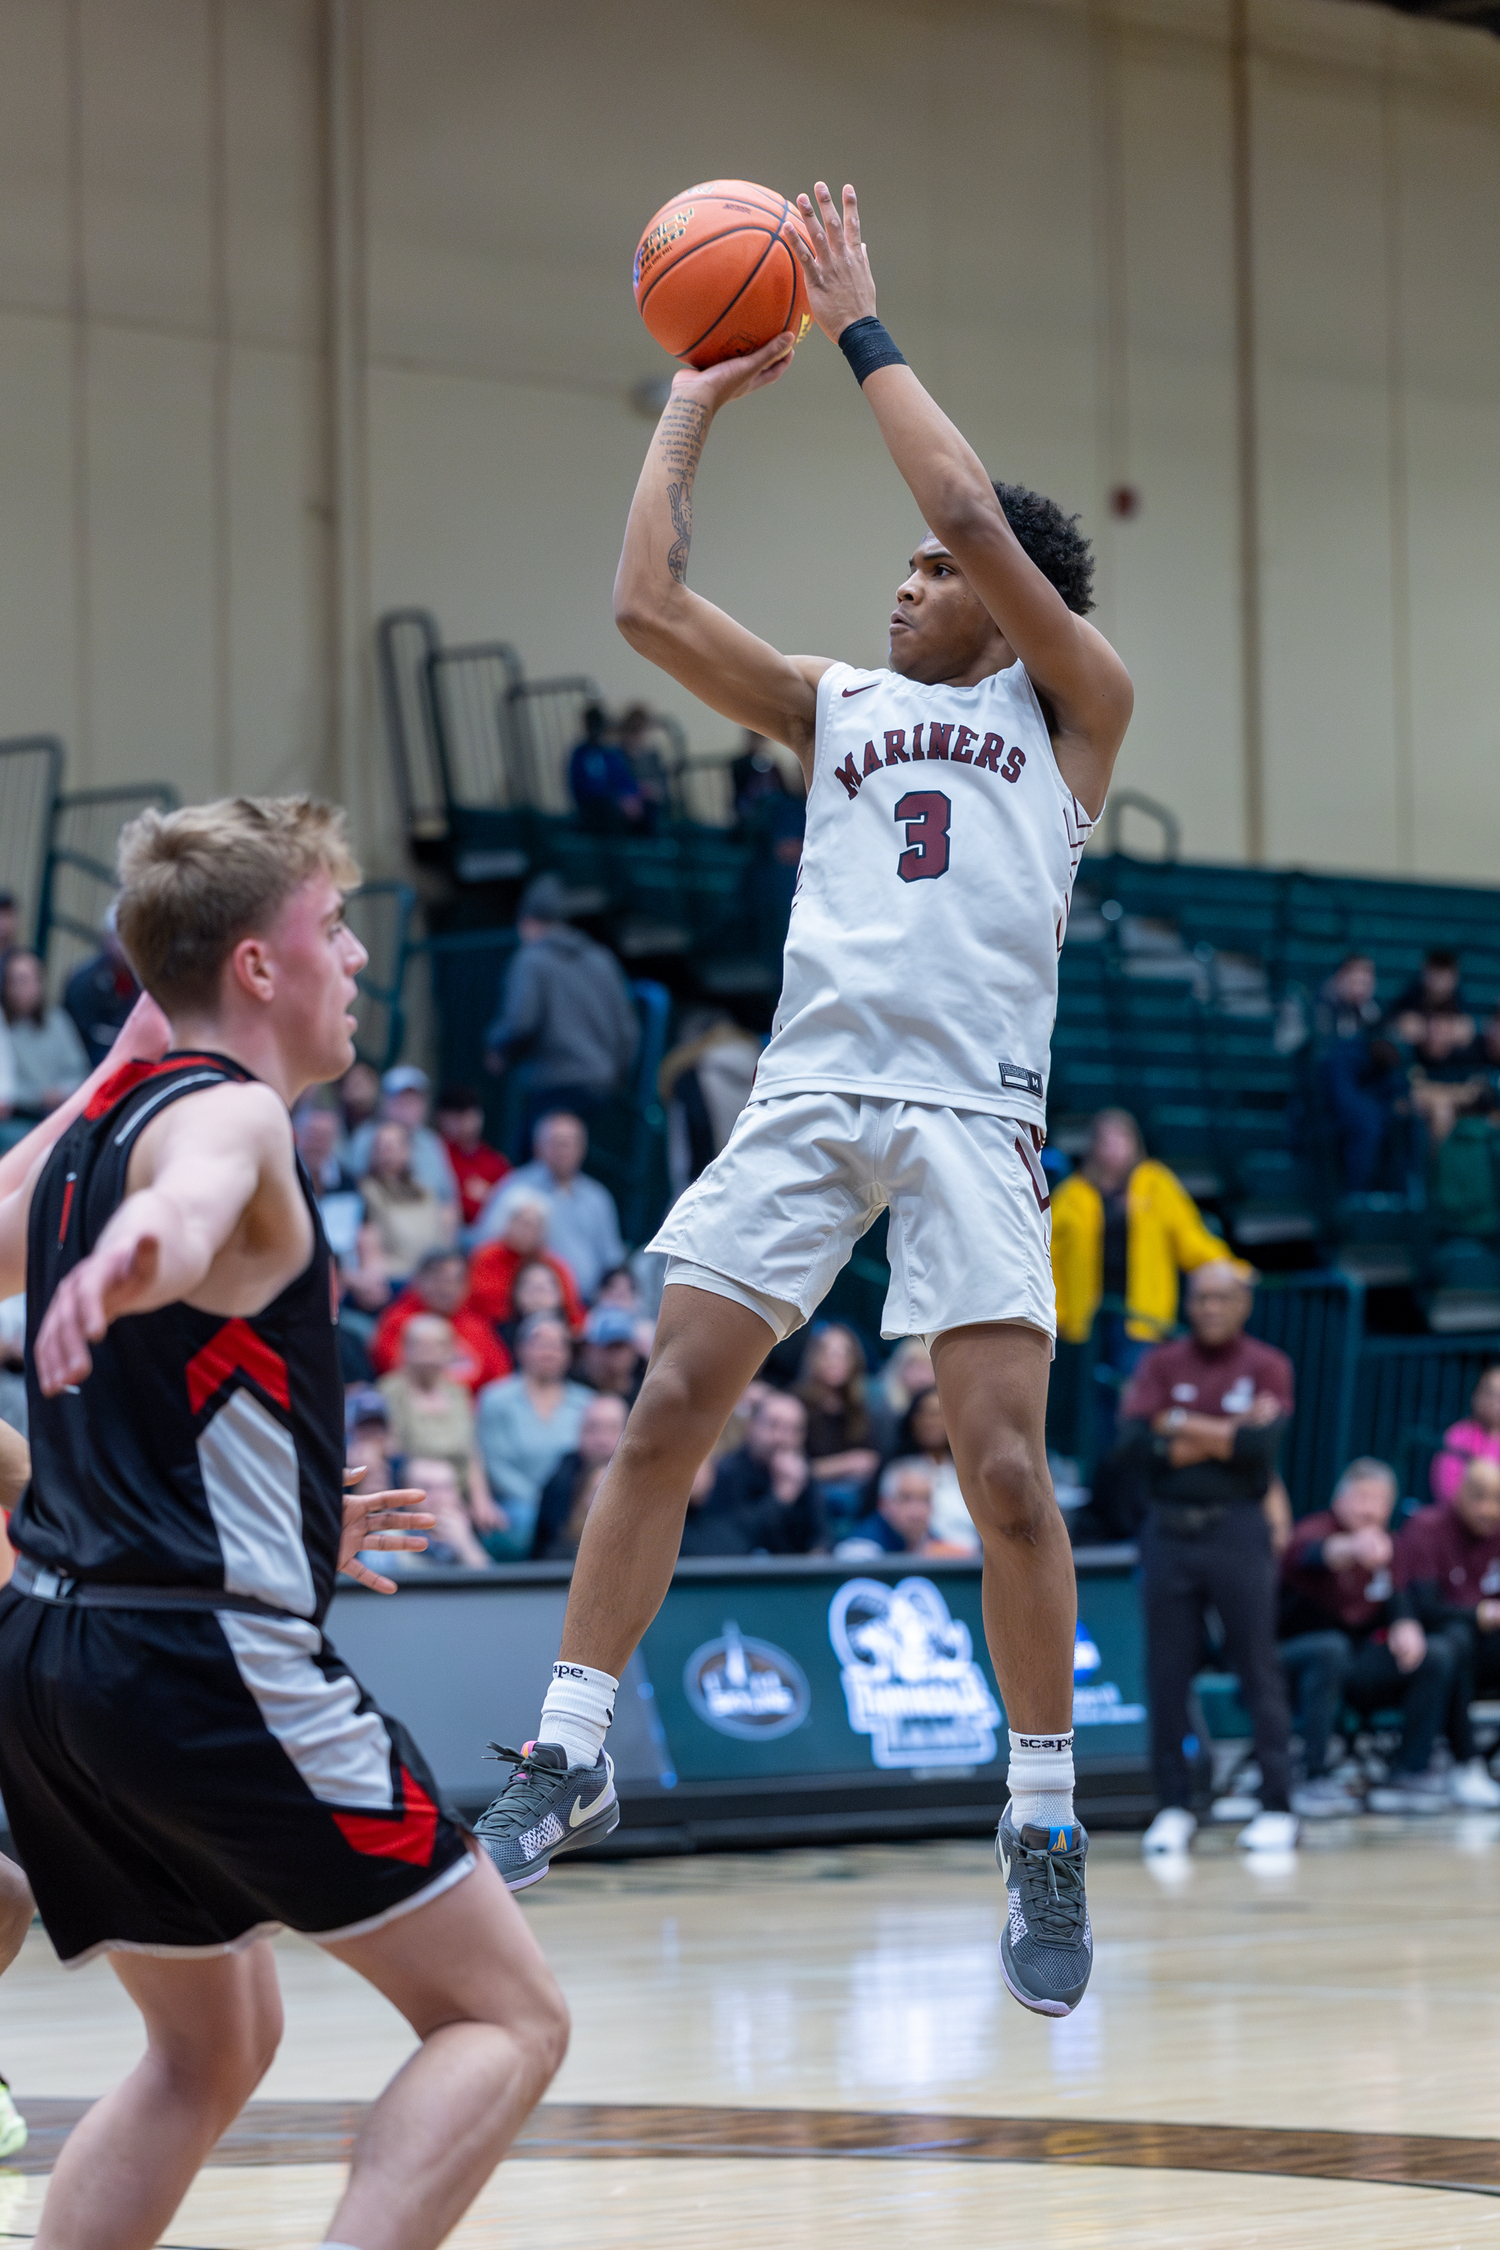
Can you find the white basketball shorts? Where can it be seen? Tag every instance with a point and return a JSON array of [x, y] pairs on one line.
[[803, 1175]]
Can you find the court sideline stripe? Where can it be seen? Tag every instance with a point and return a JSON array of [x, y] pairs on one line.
[[317, 2132]]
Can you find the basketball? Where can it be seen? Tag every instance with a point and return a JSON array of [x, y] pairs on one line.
[[715, 273]]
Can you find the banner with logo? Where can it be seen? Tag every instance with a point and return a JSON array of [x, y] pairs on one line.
[[839, 1671]]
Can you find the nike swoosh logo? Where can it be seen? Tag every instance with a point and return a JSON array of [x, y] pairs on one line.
[[1004, 1864], [585, 1812], [860, 690]]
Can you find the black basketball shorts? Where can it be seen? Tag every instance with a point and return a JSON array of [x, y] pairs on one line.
[[183, 1781]]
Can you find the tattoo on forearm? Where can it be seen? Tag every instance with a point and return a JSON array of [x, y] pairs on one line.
[[684, 426]]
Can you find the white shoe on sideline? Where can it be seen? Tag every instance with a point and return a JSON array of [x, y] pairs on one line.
[[1269, 1832], [1170, 1833], [1473, 1787]]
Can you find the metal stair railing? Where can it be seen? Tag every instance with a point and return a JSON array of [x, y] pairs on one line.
[[80, 879], [404, 641], [31, 771]]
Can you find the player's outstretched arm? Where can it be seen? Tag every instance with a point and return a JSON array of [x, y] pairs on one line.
[[211, 1171], [1072, 666], [726, 667], [144, 1037]]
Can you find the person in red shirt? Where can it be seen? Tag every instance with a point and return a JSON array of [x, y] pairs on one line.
[[1349, 1635], [493, 1270], [441, 1284], [1447, 1562], [1205, 1417], [478, 1168]]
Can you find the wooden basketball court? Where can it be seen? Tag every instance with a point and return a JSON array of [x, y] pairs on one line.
[[814, 2048]]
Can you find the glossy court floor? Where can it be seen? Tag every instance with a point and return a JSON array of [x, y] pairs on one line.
[[814, 2048]]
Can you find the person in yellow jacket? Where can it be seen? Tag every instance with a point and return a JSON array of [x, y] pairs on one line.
[[1124, 1228]]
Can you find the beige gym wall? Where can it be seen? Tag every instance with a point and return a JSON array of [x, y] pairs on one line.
[[309, 308]]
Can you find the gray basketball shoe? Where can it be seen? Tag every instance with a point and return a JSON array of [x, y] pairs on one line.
[[1047, 1947], [544, 1809]]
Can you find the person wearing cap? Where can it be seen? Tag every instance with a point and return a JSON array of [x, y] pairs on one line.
[[583, 1226], [609, 1360], [566, 1021], [404, 1093]]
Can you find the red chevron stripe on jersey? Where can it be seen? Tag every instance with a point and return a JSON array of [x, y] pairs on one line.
[[410, 1836], [236, 1350]]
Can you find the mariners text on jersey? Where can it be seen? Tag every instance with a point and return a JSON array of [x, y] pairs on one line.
[[937, 873]]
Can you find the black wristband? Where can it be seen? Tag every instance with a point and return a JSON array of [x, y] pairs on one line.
[[867, 345]]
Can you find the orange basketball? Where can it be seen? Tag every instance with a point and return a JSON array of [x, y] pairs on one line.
[[715, 275]]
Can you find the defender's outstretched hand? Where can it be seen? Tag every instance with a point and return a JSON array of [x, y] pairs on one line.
[[714, 387], [117, 1279], [835, 263], [383, 1520]]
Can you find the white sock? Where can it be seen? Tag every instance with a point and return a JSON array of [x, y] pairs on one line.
[[1041, 1779], [579, 1706]]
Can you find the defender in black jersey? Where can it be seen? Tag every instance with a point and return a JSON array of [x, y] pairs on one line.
[[186, 1763]]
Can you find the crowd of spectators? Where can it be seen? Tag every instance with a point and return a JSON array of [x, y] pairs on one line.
[[1411, 1084]]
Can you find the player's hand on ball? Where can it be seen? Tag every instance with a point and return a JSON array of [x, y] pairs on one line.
[[835, 263], [380, 1520], [714, 387]]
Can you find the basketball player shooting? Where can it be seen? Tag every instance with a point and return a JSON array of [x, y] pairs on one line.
[[186, 1764], [949, 798]]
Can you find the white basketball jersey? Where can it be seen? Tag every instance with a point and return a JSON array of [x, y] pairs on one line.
[[942, 842]]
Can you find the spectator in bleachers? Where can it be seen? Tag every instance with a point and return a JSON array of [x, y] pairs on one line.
[[583, 1226], [620, 1290], [831, 1385], [1205, 1417], [607, 1358], [1436, 990], [603, 782], [368, 1443], [101, 993], [537, 1288], [1349, 1636], [478, 1168], [923, 1435], [440, 1286], [901, 1521], [1447, 1075], [340, 1204], [526, 1424], [907, 1371], [1448, 1563], [1346, 1006], [1476, 1438], [566, 1019], [764, 1498], [358, 1097], [50, 1060], [1124, 1230], [432, 1414], [568, 1494], [703, 1084], [641, 737], [404, 1096], [756, 778], [452, 1543], [408, 1219], [522, 1241]]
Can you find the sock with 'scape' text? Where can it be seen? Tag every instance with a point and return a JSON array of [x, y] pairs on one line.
[[1041, 1779], [579, 1706]]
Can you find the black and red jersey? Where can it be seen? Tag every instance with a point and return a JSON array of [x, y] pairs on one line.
[[200, 1451]]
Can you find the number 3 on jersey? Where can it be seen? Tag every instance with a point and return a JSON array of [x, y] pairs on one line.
[[927, 813]]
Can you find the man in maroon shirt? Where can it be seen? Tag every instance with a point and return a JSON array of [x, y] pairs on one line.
[[1205, 1417], [1447, 1562], [1349, 1636]]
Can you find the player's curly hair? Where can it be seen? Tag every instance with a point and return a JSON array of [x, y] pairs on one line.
[[1053, 541]]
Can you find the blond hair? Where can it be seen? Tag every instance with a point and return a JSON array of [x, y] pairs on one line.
[[196, 881]]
